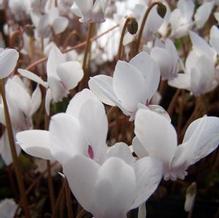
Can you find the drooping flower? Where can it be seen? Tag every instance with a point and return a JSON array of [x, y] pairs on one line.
[[117, 185], [165, 54], [200, 139], [62, 76], [133, 84], [199, 76], [21, 106], [89, 10]]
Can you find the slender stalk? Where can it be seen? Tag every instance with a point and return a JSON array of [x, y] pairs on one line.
[[68, 200], [85, 64], [173, 102], [120, 50], [138, 42], [18, 173]]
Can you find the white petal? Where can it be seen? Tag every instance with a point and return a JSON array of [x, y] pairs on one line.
[[70, 73], [121, 150], [93, 119], [8, 61], [81, 173], [48, 101], [35, 143], [201, 138], [66, 137], [84, 5], [202, 14], [142, 211], [8, 208], [101, 86], [159, 144], [36, 99], [149, 70], [29, 75], [148, 174], [60, 24], [138, 148], [182, 81], [128, 85], [214, 38], [114, 197]]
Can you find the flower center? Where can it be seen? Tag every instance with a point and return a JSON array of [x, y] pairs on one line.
[[90, 152]]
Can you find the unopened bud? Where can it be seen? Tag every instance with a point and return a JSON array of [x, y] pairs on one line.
[[132, 26], [161, 10]]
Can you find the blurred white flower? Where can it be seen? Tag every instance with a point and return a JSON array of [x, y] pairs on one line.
[[62, 76], [8, 208], [200, 73], [214, 38], [133, 83], [181, 18], [200, 139], [190, 197], [8, 61], [22, 106], [89, 10], [165, 54]]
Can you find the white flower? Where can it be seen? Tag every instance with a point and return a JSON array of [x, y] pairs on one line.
[[81, 130], [214, 38], [51, 21], [200, 139], [22, 106], [202, 14], [113, 188], [8, 208], [8, 61], [62, 76], [133, 83], [199, 76], [181, 18], [165, 54], [89, 10]]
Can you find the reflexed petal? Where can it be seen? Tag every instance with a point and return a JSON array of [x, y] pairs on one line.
[[94, 122], [128, 85], [201, 138], [48, 101], [29, 75], [202, 14], [35, 143], [81, 173], [138, 148], [8, 208], [148, 172], [115, 188], [84, 5], [159, 144], [60, 24], [182, 81], [66, 137], [70, 73], [8, 61], [35, 100], [101, 86], [214, 38], [150, 71]]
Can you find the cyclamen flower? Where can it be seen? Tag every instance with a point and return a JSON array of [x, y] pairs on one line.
[[200, 139], [133, 84], [89, 10], [62, 76], [115, 187], [8, 208], [22, 106], [200, 74], [165, 54]]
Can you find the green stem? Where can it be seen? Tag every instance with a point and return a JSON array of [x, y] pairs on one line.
[[18, 173]]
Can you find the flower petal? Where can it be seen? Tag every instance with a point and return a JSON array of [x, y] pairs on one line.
[[8, 61], [159, 144], [148, 172], [35, 143], [60, 24], [36, 99], [70, 73]]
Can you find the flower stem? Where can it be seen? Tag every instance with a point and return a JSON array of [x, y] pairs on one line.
[[18, 173], [139, 37], [68, 200]]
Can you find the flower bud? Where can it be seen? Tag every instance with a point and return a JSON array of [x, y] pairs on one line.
[[132, 26], [161, 10]]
